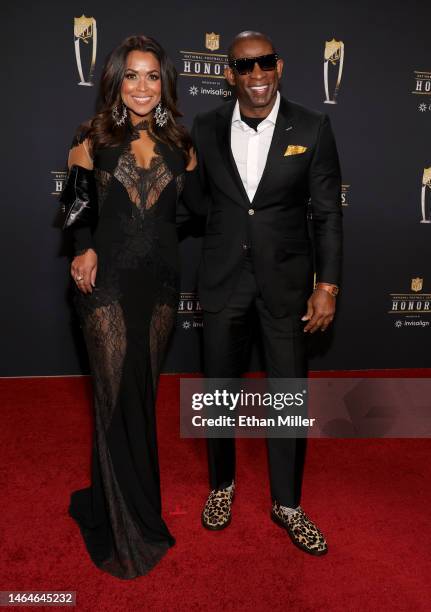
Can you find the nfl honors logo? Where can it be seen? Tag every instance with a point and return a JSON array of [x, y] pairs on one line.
[[58, 177], [413, 308], [345, 195], [206, 68], [189, 306], [422, 83]]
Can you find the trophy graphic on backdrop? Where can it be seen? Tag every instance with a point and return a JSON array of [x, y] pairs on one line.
[[334, 54], [426, 182], [85, 29]]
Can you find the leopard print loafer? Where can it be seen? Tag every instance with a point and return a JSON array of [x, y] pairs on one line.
[[217, 511], [303, 533]]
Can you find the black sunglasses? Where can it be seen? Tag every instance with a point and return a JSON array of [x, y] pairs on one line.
[[245, 65]]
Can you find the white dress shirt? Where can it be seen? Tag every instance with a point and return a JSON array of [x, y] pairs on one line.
[[250, 148]]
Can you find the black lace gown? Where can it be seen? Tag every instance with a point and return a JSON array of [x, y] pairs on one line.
[[126, 323]]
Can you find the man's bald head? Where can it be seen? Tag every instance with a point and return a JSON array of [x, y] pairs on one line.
[[248, 35]]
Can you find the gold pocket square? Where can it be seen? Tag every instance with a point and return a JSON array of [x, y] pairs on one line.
[[294, 150]]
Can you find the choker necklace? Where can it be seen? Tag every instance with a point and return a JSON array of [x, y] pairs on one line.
[[141, 126]]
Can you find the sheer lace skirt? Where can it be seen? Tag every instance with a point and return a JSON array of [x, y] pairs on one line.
[[120, 514]]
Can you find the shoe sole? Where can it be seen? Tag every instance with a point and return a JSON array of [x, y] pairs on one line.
[[218, 528], [279, 523]]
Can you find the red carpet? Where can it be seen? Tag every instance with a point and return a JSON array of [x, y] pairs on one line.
[[371, 498]]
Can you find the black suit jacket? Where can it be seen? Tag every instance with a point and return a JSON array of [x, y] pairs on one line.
[[276, 223]]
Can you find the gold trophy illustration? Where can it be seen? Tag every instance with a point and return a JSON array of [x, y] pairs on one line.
[[426, 182], [334, 54], [85, 30]]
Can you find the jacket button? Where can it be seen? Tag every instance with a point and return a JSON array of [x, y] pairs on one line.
[[251, 211]]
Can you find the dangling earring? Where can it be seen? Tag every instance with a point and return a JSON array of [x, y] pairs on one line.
[[119, 120], [161, 115]]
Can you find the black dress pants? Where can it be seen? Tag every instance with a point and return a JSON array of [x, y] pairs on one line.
[[227, 336]]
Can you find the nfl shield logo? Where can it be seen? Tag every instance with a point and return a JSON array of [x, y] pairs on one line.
[[83, 27], [212, 41], [417, 284]]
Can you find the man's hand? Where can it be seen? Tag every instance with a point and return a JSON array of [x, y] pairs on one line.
[[320, 311], [84, 269]]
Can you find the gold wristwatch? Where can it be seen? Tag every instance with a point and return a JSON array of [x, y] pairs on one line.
[[332, 289]]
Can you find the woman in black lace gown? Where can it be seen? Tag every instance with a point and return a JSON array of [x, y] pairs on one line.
[[126, 275]]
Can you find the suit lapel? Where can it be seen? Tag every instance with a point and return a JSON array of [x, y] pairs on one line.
[[223, 128], [275, 150]]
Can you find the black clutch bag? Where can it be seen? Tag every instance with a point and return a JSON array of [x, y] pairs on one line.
[[79, 199]]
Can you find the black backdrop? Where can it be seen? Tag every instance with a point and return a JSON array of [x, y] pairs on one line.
[[381, 121]]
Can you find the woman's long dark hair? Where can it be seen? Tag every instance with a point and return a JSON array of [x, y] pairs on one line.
[[102, 130]]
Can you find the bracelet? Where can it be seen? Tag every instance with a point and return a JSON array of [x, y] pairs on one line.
[[332, 289]]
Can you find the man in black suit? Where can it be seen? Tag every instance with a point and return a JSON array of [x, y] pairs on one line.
[[264, 162]]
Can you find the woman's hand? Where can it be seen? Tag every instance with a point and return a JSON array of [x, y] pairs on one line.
[[84, 269], [193, 161]]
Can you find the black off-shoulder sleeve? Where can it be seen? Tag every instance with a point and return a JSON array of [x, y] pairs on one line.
[[82, 237]]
